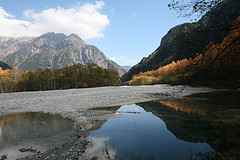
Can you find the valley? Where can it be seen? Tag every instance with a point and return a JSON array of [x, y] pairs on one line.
[[62, 98]]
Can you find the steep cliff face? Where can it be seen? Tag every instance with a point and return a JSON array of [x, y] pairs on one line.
[[11, 45], [184, 41], [52, 51]]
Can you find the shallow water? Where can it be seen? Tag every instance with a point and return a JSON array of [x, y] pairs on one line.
[[39, 131], [178, 129], [136, 134]]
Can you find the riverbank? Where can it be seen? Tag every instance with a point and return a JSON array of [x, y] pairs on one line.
[[74, 102], [68, 102]]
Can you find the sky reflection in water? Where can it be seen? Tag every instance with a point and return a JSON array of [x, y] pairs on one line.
[[136, 134]]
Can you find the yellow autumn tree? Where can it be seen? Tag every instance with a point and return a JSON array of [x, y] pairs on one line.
[[220, 63]]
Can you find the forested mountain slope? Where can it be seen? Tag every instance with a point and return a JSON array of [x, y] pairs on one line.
[[218, 66], [184, 41]]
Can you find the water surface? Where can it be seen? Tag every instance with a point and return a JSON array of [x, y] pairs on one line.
[[136, 134], [39, 131], [178, 129]]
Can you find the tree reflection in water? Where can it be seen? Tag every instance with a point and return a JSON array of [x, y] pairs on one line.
[[205, 117]]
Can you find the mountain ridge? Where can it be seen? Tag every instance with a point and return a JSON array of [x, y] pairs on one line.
[[189, 39], [52, 50]]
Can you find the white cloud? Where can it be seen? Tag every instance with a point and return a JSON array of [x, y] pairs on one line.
[[85, 20]]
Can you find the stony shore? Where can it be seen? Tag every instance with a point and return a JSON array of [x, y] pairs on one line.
[[73, 102]]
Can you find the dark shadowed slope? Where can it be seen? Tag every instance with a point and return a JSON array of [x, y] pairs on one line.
[[184, 41]]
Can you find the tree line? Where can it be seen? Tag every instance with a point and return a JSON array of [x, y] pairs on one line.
[[218, 66], [76, 76]]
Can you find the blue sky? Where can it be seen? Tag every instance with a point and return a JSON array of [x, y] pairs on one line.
[[124, 30]]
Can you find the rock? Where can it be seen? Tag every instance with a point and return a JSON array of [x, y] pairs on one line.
[[28, 150], [3, 157], [94, 158]]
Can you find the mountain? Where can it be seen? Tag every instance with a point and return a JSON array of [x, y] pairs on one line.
[[4, 65], [127, 68], [186, 40], [11, 45], [52, 50]]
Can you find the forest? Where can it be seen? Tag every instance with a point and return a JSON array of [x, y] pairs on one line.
[[217, 66], [76, 76]]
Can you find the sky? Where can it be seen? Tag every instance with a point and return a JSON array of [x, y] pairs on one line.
[[124, 30]]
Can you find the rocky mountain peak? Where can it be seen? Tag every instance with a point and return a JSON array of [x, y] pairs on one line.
[[53, 35], [50, 38], [75, 36], [53, 50]]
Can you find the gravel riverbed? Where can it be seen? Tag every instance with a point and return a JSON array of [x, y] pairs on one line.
[[68, 102], [72, 103]]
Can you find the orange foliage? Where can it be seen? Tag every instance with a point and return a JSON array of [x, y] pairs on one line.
[[219, 61], [172, 68], [8, 80]]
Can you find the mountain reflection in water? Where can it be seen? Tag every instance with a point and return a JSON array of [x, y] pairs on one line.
[[177, 129]]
